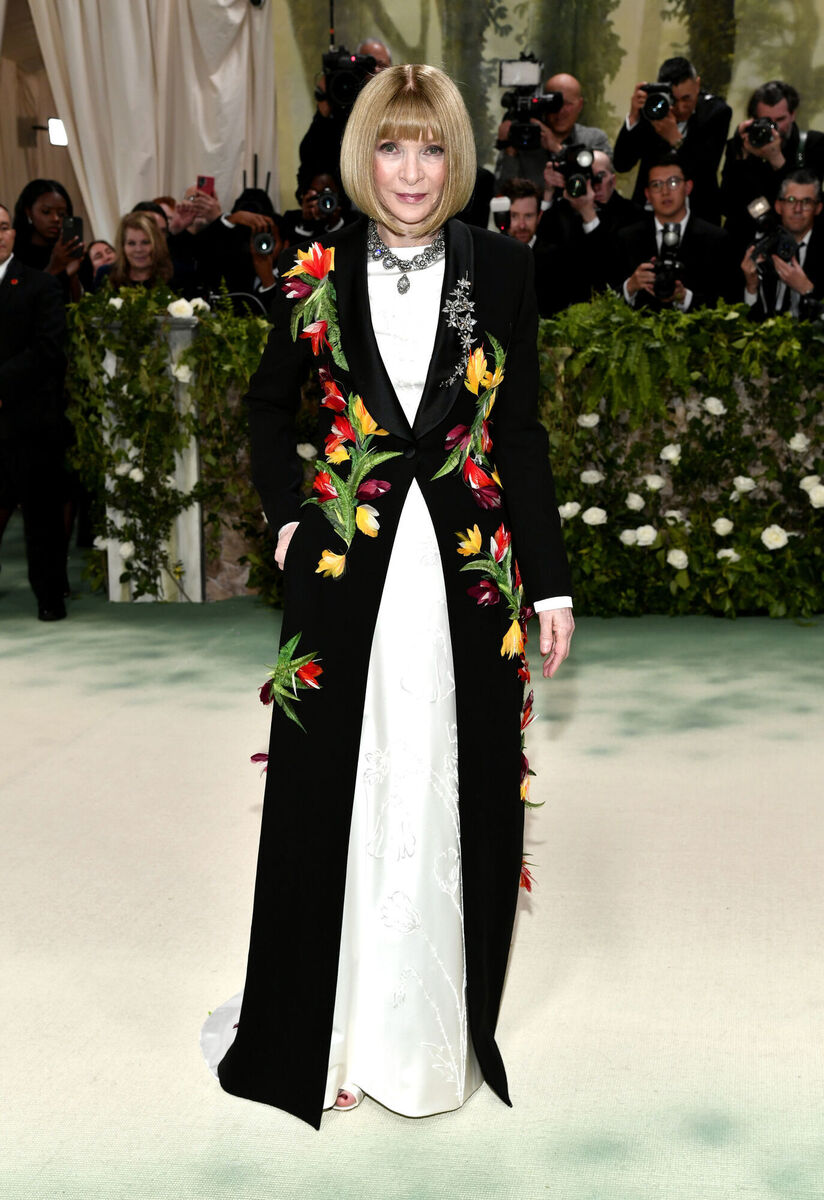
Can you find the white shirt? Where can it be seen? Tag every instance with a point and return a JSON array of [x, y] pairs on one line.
[[4, 266], [684, 304]]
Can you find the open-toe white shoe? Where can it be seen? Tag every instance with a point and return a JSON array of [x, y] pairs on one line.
[[349, 1096]]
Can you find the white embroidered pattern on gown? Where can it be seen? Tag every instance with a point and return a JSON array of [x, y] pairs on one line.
[[400, 1028]]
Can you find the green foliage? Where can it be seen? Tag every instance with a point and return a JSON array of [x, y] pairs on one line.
[[132, 423], [712, 29], [640, 383], [580, 39]]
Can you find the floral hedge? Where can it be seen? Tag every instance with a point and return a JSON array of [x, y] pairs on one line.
[[687, 452], [687, 449]]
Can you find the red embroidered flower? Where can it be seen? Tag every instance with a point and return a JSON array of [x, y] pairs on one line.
[[370, 489], [324, 487], [260, 758], [526, 876], [486, 440], [14, 281], [296, 289], [308, 674], [333, 397], [316, 332], [501, 541], [265, 693], [459, 436], [342, 429], [526, 713], [485, 592]]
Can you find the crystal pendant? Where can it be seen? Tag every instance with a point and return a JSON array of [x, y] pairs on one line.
[[403, 284]]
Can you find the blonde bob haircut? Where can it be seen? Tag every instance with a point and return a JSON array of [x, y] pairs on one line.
[[415, 103]]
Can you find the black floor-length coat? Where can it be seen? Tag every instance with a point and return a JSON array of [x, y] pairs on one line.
[[281, 1051]]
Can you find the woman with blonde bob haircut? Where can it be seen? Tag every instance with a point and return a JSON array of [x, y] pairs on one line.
[[420, 103], [392, 836]]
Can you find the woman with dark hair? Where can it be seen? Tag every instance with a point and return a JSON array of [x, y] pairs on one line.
[[38, 222], [392, 836], [141, 255]]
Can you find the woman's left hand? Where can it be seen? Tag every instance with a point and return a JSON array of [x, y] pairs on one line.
[[557, 627]]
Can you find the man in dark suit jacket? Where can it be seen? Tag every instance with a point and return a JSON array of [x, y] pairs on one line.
[[579, 234], [696, 126], [32, 328], [778, 286], [753, 171], [706, 269]]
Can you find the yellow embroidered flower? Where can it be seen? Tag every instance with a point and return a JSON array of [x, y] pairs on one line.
[[338, 455], [493, 395], [366, 519], [367, 423], [470, 541], [331, 564], [513, 642], [316, 262], [475, 370], [497, 479], [493, 379]]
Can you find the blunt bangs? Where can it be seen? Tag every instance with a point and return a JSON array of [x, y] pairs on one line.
[[415, 103]]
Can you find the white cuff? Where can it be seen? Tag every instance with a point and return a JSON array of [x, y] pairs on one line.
[[750, 298], [627, 123], [224, 220], [686, 302], [589, 226], [629, 299], [552, 602], [285, 528]]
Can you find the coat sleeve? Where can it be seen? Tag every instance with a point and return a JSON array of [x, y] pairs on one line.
[[522, 459], [272, 401], [41, 359]]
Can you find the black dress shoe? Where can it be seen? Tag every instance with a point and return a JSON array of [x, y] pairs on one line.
[[52, 614]]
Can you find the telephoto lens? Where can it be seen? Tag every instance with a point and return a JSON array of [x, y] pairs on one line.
[[263, 243]]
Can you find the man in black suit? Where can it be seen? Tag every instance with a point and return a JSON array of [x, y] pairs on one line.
[[696, 125], [705, 270], [751, 170], [32, 329], [581, 232], [777, 286]]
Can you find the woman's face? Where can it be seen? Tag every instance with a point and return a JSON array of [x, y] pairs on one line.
[[137, 246], [46, 215], [101, 254], [409, 180]]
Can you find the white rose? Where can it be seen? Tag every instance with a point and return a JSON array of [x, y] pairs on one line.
[[677, 559], [592, 477], [100, 543], [722, 526], [715, 406], [809, 482], [109, 364], [307, 450], [728, 554], [136, 475], [182, 373], [123, 468], [645, 535], [654, 482], [200, 305], [634, 502], [673, 516], [569, 510], [180, 308], [774, 537], [588, 420], [170, 481], [126, 549], [799, 442], [816, 495], [671, 454], [594, 516], [628, 536], [116, 302], [743, 483]]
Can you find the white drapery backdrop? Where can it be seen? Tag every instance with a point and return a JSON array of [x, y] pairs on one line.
[[154, 93]]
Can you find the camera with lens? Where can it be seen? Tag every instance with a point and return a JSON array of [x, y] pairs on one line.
[[575, 164], [770, 235], [760, 132], [667, 264], [263, 243], [327, 201], [658, 101], [345, 75], [524, 101]]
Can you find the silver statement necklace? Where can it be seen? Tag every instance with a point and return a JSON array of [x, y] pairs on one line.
[[380, 252]]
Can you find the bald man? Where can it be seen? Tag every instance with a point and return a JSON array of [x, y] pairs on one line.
[[560, 130]]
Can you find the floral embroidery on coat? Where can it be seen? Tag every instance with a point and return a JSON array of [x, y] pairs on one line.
[[287, 677], [469, 446], [316, 307]]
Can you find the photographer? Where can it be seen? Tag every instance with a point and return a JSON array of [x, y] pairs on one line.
[[321, 209], [692, 122], [558, 131], [581, 230], [765, 148], [780, 276], [320, 147], [672, 259]]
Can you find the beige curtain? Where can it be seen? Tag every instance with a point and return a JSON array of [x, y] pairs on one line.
[[154, 93]]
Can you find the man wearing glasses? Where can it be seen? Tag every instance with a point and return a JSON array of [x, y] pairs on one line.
[[705, 270], [774, 285]]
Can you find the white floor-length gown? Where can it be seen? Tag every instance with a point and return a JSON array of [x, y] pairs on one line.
[[400, 1028]]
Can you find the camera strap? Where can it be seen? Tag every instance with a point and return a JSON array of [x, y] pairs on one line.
[[802, 144]]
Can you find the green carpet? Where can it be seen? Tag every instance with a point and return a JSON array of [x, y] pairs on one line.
[[663, 1019]]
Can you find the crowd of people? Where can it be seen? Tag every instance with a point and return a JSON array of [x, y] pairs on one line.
[[694, 231]]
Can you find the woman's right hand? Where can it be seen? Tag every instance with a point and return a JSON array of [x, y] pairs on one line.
[[65, 256], [284, 538]]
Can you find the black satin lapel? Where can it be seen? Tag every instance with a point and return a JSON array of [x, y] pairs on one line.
[[437, 400], [366, 367]]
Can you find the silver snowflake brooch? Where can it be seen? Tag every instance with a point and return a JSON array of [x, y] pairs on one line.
[[458, 310]]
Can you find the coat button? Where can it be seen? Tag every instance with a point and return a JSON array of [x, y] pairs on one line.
[[410, 452]]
